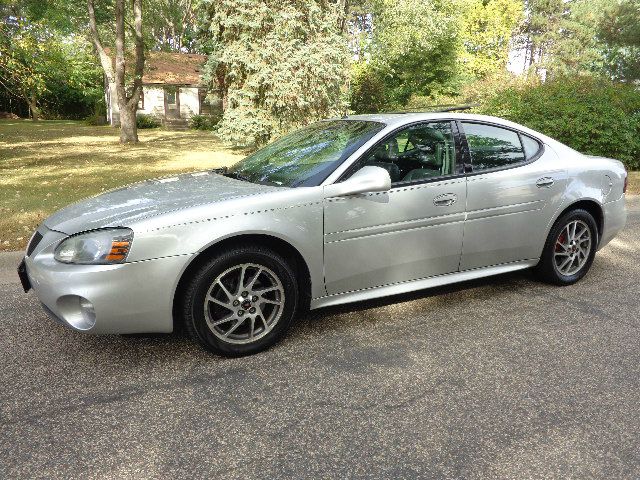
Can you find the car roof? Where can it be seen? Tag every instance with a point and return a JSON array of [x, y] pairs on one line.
[[402, 118], [398, 119]]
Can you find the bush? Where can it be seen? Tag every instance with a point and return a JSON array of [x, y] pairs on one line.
[[590, 114], [367, 89], [147, 121], [96, 119], [205, 122]]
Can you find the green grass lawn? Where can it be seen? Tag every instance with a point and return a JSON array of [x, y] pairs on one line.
[[47, 165]]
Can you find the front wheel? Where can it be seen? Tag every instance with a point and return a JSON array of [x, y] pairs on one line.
[[241, 301], [570, 248]]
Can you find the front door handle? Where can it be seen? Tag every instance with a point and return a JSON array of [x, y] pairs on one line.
[[544, 182], [445, 199]]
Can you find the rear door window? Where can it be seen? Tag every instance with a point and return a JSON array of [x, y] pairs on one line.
[[492, 147]]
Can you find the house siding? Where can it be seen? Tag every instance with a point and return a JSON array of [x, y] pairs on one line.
[[154, 103]]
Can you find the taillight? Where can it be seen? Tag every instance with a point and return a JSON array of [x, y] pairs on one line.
[[626, 181]]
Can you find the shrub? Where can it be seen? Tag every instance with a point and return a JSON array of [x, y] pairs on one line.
[[590, 114], [96, 119], [205, 122], [367, 89], [147, 121]]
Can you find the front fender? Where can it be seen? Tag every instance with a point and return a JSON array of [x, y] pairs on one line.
[[293, 216]]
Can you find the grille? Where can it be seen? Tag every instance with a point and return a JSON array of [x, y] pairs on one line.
[[35, 240]]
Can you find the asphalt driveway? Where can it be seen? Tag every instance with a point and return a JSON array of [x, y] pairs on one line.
[[504, 377]]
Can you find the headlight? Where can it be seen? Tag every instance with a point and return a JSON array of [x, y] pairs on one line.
[[96, 247]]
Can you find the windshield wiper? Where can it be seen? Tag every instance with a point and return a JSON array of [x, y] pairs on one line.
[[237, 176]]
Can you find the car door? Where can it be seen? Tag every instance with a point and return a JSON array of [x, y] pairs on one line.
[[411, 232], [513, 188]]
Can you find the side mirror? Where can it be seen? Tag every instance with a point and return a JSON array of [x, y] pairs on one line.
[[367, 179]]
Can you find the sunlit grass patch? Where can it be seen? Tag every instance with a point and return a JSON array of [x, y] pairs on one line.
[[47, 165], [634, 183]]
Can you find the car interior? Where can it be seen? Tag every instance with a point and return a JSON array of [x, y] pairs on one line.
[[418, 152]]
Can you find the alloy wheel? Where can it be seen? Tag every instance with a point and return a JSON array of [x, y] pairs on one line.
[[572, 248], [244, 303]]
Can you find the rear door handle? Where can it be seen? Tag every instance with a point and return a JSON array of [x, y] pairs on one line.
[[544, 182], [445, 199]]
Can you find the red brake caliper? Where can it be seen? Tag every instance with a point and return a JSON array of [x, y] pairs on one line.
[[560, 242]]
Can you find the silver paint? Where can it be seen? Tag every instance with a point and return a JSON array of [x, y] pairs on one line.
[[375, 242]]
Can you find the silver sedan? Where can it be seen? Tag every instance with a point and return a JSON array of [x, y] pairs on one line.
[[343, 210]]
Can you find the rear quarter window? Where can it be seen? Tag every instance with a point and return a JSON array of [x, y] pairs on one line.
[[531, 146]]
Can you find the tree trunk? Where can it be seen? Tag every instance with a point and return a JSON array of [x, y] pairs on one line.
[[127, 105], [128, 127], [33, 106]]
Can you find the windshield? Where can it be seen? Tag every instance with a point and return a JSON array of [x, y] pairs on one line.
[[305, 158]]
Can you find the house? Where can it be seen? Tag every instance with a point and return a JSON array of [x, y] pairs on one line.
[[172, 89]]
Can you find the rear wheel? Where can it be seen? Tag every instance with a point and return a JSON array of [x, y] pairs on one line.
[[241, 302], [570, 248]]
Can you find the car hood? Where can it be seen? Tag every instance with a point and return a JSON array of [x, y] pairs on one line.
[[148, 198]]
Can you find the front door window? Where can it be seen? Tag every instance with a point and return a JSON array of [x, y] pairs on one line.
[[418, 152]]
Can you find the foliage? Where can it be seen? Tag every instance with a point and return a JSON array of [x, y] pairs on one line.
[[277, 65], [590, 114], [367, 92], [619, 30], [486, 31], [205, 122], [52, 73], [408, 65], [558, 35], [147, 121], [414, 57], [171, 25]]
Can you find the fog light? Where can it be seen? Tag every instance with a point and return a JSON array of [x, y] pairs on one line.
[[76, 311]]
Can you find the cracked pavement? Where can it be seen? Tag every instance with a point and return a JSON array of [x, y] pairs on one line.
[[503, 377]]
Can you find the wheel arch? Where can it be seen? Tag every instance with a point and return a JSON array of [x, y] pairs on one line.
[[277, 244], [590, 205]]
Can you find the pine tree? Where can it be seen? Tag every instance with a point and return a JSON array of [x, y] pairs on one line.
[[275, 64]]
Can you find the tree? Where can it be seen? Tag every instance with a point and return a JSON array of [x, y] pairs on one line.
[[559, 35], [405, 49], [276, 65], [486, 30], [171, 25], [127, 103], [414, 47], [43, 68], [619, 32], [26, 57]]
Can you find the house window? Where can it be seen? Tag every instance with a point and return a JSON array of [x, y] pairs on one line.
[[171, 97]]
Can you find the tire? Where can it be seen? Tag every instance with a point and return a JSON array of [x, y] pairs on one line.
[[565, 260], [230, 323]]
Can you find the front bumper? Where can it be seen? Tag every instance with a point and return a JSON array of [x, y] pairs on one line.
[[132, 297]]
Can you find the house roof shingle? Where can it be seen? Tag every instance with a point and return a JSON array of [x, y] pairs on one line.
[[171, 68]]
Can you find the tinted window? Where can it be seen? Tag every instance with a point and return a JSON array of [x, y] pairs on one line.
[[531, 146], [418, 152], [305, 157], [492, 147]]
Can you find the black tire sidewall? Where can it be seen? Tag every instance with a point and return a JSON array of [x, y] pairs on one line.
[[547, 265], [194, 317]]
